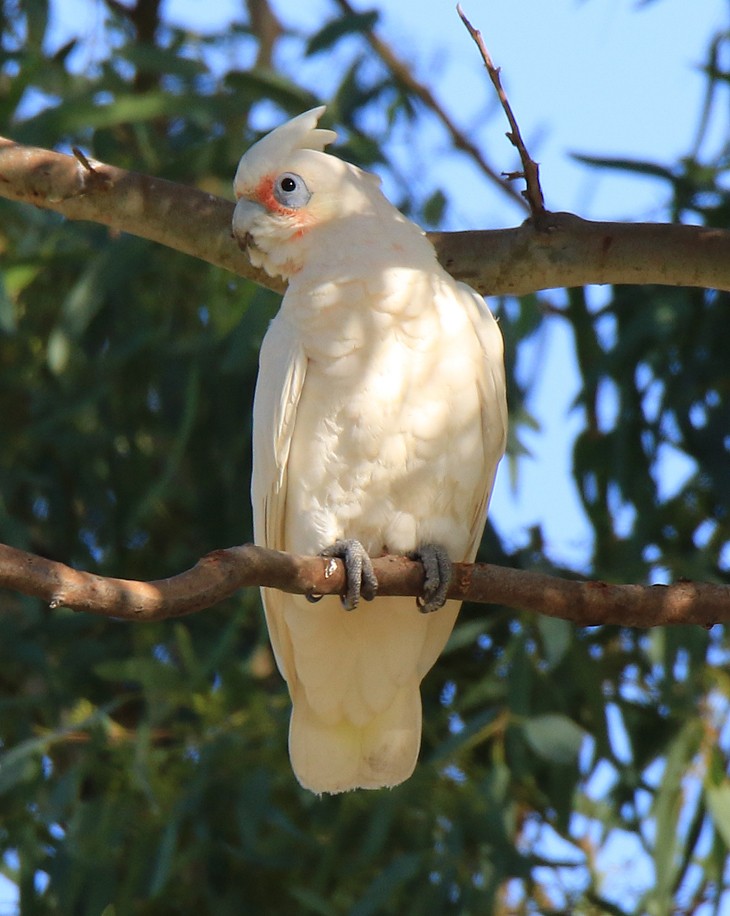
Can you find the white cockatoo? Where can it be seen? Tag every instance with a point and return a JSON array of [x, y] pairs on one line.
[[379, 421]]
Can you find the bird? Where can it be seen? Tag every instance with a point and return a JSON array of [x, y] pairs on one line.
[[379, 420]]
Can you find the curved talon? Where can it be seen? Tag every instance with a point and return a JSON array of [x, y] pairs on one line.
[[361, 580], [437, 576], [313, 597]]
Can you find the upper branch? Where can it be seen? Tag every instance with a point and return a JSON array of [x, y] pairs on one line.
[[181, 217], [567, 251], [222, 572]]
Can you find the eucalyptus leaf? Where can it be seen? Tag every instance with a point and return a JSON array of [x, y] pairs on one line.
[[554, 737]]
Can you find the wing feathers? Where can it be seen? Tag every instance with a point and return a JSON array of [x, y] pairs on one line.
[[282, 370]]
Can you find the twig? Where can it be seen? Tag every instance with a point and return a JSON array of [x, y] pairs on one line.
[[530, 169], [221, 573], [266, 28], [403, 74], [81, 156]]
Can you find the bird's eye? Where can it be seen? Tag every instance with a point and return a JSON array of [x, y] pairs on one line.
[[291, 191]]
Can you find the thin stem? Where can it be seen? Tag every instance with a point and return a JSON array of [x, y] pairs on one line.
[[530, 169], [402, 72]]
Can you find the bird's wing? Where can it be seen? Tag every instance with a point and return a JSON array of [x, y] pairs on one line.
[[492, 393], [282, 369], [490, 380]]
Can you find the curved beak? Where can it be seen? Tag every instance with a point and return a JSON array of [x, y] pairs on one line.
[[245, 216]]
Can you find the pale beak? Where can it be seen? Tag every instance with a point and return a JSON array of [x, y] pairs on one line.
[[245, 217]]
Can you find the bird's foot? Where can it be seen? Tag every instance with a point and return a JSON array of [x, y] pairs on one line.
[[437, 572], [361, 581]]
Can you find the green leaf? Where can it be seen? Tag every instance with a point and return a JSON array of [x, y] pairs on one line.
[[637, 166], [8, 321], [556, 635], [401, 869], [267, 84], [554, 737], [337, 28], [311, 902], [718, 804], [667, 808], [434, 208], [21, 764], [465, 634], [163, 61], [165, 856]]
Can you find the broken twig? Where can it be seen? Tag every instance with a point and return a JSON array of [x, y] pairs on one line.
[[530, 169]]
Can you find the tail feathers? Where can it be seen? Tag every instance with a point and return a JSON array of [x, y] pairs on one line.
[[342, 756]]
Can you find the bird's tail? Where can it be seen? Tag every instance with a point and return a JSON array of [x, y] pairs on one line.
[[338, 756]]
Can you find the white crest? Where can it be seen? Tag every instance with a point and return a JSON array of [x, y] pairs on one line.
[[299, 133]]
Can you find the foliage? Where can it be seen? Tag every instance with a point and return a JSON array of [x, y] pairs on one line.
[[143, 768]]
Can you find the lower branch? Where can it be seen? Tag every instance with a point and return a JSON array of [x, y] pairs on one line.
[[221, 573]]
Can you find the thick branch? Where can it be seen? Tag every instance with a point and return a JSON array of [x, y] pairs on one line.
[[566, 251], [569, 251], [181, 217], [221, 573]]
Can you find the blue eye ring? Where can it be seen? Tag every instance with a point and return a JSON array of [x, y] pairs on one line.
[[291, 191]]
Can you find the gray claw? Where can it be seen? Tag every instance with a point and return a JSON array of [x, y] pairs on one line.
[[437, 572], [361, 581]]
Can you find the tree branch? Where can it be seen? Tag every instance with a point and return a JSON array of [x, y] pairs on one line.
[[181, 217], [568, 251], [221, 573], [565, 251]]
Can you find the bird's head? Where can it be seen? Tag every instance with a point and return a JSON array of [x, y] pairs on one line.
[[286, 186]]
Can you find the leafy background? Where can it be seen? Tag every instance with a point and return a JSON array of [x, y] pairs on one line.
[[143, 768]]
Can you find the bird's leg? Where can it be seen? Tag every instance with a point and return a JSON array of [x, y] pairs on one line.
[[437, 572], [361, 581]]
